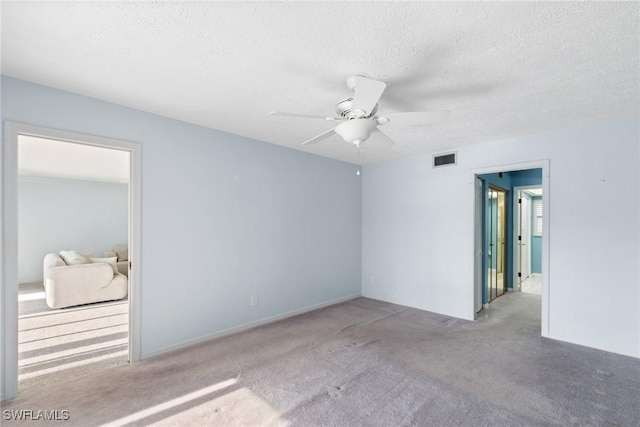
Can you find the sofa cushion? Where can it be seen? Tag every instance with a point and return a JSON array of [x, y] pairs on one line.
[[111, 261], [74, 258], [53, 260], [122, 250]]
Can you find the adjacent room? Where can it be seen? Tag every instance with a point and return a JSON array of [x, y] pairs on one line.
[[320, 213], [72, 210]]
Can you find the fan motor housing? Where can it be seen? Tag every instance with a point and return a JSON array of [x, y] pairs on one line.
[[343, 109]]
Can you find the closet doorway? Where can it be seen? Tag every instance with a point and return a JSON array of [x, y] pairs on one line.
[[496, 241]]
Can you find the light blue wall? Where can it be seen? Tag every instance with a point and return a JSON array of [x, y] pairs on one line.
[[223, 217], [526, 177], [57, 215], [418, 230]]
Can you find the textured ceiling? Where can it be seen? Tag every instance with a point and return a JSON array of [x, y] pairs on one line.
[[504, 69]]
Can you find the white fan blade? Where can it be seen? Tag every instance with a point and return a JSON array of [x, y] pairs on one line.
[[366, 94], [304, 116], [419, 118], [320, 137], [383, 137]]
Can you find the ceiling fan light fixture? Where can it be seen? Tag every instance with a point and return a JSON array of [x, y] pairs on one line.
[[356, 131], [358, 118]]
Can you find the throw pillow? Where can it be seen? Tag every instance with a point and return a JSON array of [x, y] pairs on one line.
[[122, 251], [74, 257], [111, 261]]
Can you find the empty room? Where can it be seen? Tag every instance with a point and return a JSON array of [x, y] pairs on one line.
[[324, 213]]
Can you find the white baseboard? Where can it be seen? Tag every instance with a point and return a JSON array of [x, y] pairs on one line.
[[247, 326]]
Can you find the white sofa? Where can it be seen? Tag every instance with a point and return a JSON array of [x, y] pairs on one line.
[[83, 283], [121, 252]]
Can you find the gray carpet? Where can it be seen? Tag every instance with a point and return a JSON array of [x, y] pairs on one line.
[[363, 363]]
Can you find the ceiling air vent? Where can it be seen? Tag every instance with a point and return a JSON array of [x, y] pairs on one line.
[[444, 159]]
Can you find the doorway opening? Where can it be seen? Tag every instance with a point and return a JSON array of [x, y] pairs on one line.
[[37, 358], [72, 211], [504, 257], [528, 207]]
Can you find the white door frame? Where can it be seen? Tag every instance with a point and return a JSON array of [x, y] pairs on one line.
[[9, 264], [478, 245], [546, 277]]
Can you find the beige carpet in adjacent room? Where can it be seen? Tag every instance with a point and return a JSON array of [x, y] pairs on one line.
[[58, 345]]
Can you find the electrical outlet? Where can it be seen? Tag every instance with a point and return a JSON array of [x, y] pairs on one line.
[[254, 299]]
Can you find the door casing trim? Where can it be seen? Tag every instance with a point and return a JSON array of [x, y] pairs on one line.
[[544, 164]]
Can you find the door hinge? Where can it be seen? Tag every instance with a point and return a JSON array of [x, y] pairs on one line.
[[519, 200], [519, 238], [519, 274]]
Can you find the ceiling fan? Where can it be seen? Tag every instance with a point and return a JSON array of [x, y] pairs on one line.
[[358, 114]]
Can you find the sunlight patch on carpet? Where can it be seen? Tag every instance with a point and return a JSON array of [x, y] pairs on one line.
[[145, 413], [31, 297], [65, 366]]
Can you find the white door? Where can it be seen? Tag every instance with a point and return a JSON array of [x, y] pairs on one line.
[[524, 240]]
